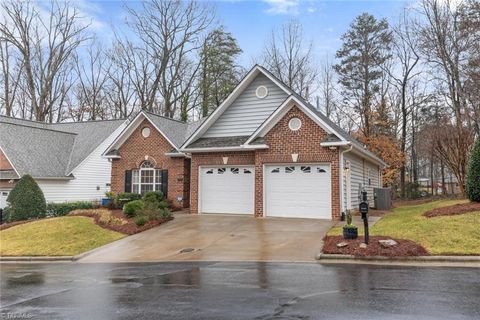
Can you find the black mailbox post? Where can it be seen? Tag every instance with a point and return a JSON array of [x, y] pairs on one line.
[[363, 208]]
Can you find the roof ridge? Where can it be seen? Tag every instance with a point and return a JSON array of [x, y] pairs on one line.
[[40, 128], [89, 121], [164, 117]]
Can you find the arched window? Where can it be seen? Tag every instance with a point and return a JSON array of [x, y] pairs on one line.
[[146, 178]]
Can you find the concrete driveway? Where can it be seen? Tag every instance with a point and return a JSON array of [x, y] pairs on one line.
[[219, 238]]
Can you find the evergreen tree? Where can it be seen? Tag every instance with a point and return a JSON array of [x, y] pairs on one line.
[[365, 50], [219, 70], [473, 173], [26, 200]]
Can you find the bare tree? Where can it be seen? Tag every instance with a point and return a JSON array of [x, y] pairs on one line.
[[446, 46], [290, 58], [92, 70], [45, 44], [405, 50], [327, 87], [11, 68], [170, 34]]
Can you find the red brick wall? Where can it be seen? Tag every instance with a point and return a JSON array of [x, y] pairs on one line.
[[283, 142], [133, 152], [4, 163]]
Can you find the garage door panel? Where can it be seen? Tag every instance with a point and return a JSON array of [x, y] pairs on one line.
[[300, 190], [227, 190]]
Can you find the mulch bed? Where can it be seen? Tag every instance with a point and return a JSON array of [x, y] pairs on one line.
[[404, 248], [128, 228], [15, 223], [456, 209]]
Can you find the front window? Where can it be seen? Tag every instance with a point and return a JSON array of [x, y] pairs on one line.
[[146, 179]]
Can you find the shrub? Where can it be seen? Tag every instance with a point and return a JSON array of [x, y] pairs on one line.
[[151, 210], [132, 207], [472, 184], [5, 215], [26, 200], [126, 197], [153, 196], [62, 209], [412, 190], [140, 220]]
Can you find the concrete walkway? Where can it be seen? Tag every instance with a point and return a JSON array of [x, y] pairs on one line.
[[219, 238]]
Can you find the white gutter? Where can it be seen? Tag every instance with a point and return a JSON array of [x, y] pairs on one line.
[[220, 149], [335, 143], [176, 154], [342, 205]]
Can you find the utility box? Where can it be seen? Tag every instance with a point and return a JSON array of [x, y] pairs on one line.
[[382, 198]]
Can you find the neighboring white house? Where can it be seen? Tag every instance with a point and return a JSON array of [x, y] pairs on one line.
[[65, 158]]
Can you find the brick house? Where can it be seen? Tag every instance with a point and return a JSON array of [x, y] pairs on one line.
[[266, 151], [145, 157]]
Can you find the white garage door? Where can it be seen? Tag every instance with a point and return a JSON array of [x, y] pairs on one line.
[[227, 190], [298, 191]]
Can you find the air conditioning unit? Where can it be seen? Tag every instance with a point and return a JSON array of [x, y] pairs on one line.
[[382, 198]]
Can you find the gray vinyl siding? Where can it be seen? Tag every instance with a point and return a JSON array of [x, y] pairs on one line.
[[359, 177], [248, 112]]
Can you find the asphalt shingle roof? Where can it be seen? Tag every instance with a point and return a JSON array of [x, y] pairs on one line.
[[219, 142], [176, 131], [51, 150]]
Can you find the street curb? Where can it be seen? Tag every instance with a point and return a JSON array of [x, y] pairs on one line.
[[48, 258], [449, 259], [37, 258]]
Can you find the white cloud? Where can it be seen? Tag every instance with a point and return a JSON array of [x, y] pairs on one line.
[[283, 7]]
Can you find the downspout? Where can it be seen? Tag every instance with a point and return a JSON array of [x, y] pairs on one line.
[[342, 203]]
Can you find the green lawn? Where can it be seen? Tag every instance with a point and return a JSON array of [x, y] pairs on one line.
[[62, 236], [448, 235]]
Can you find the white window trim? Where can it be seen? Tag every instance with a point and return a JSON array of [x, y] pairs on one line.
[[138, 182]]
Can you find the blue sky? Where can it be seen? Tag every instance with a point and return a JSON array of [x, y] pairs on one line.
[[251, 22]]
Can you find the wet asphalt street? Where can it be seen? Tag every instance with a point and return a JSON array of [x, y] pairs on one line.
[[237, 291]]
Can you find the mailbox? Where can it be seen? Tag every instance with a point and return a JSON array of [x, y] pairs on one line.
[[363, 208]]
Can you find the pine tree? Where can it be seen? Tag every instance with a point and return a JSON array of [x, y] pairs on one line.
[[365, 49], [219, 70], [473, 174]]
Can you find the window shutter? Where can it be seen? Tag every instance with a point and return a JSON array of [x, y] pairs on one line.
[[165, 182], [128, 180]]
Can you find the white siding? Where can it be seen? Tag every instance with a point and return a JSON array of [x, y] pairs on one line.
[[248, 112], [359, 171], [92, 172]]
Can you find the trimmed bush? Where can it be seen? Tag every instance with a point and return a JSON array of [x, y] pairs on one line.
[[126, 197], [62, 209], [140, 220], [473, 173], [131, 208], [26, 200]]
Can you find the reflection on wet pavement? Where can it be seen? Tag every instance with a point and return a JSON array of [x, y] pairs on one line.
[[209, 290]]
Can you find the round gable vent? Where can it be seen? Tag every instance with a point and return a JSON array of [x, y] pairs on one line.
[[261, 92], [146, 132], [295, 124]]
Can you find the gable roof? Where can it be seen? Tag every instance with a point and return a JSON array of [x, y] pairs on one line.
[[46, 150], [174, 131], [333, 130]]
